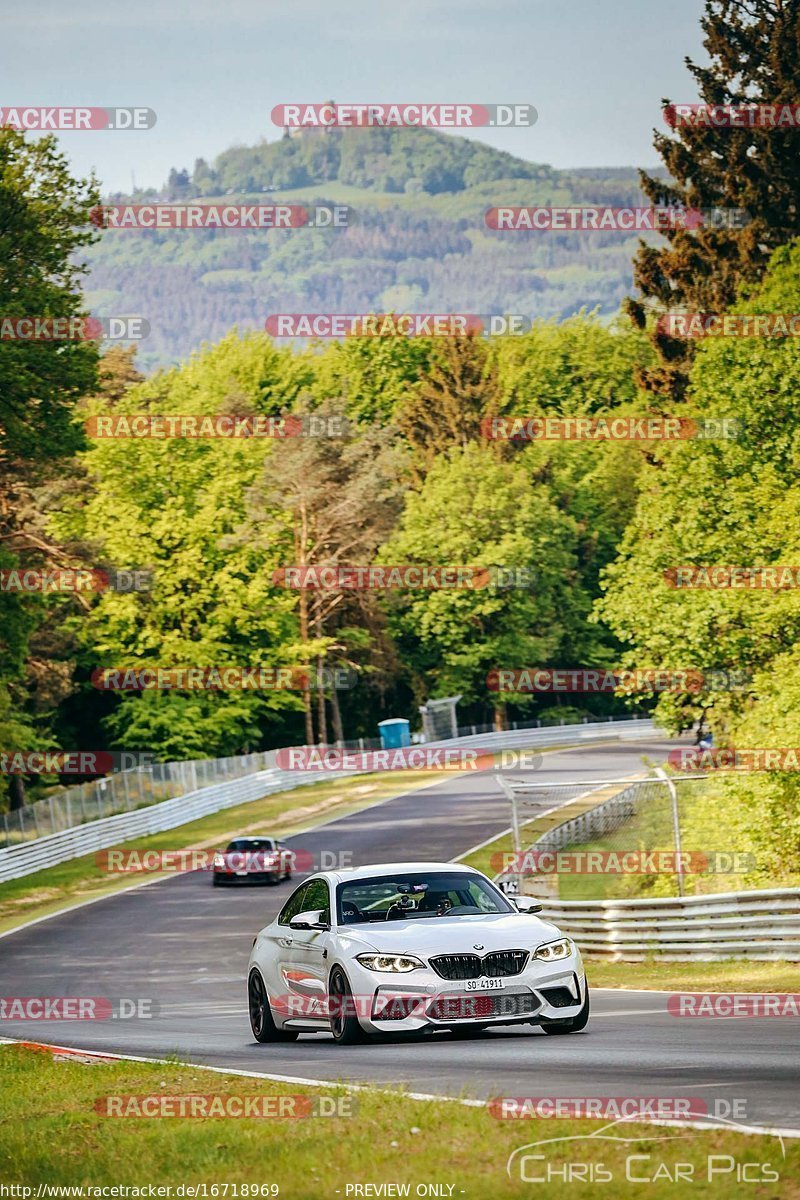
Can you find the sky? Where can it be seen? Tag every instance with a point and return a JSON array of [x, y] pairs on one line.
[[596, 70]]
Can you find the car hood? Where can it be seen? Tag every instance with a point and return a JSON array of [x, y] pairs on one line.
[[454, 935]]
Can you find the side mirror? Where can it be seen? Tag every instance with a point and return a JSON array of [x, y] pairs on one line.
[[525, 904], [309, 920]]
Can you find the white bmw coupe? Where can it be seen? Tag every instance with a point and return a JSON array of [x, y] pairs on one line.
[[410, 947]]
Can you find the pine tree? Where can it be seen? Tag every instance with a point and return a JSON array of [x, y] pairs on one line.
[[446, 410], [754, 52]]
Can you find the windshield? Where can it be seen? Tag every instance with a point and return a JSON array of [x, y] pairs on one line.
[[417, 896], [251, 844]]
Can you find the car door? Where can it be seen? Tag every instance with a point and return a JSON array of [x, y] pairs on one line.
[[281, 938], [309, 951]]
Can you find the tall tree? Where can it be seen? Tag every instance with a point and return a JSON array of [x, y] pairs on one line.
[[341, 499], [460, 388], [44, 224], [476, 511], [754, 58]]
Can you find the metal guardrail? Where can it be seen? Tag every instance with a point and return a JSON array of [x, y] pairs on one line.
[[27, 857], [760, 925], [596, 822], [133, 788]]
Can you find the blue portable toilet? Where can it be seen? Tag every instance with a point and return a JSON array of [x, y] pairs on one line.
[[395, 733]]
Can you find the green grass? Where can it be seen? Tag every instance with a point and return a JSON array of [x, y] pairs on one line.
[[281, 813], [50, 1133], [488, 857], [712, 821], [732, 975]]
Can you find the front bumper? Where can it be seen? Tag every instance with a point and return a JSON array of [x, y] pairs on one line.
[[422, 999], [269, 876]]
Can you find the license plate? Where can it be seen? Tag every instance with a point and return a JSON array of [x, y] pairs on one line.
[[484, 985], [241, 872]]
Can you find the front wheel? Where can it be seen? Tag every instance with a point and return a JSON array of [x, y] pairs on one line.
[[262, 1021], [345, 1026], [572, 1024]]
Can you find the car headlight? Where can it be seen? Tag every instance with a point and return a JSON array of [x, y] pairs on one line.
[[219, 860], [396, 963], [553, 950]]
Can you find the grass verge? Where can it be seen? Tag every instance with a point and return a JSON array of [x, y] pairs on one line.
[[731, 975], [281, 813], [52, 1134], [490, 858], [714, 824]]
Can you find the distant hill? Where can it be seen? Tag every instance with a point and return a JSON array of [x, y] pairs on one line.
[[419, 244]]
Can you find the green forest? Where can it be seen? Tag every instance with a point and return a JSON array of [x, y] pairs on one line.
[[418, 239], [597, 525]]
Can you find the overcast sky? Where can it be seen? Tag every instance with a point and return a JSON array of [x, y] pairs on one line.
[[596, 70]]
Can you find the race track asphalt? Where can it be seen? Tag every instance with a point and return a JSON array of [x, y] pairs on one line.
[[184, 946]]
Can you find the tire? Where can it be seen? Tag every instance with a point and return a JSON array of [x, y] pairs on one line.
[[573, 1024], [262, 1021], [345, 1025]]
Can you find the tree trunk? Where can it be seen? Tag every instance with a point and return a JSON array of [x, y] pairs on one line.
[[336, 715], [499, 717], [300, 542], [16, 793], [322, 723]]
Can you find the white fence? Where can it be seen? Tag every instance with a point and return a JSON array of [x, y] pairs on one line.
[[34, 855]]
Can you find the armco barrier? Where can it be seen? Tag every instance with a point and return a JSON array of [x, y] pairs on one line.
[[24, 859], [760, 925]]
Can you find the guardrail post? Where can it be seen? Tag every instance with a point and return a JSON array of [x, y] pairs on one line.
[[676, 827]]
